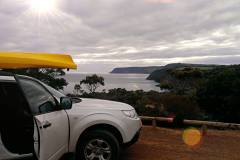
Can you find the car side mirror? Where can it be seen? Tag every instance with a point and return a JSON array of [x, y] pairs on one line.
[[66, 103]]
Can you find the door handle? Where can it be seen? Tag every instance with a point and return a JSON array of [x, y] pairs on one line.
[[46, 124]]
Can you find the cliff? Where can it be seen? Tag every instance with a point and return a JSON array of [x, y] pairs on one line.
[[135, 70], [160, 74]]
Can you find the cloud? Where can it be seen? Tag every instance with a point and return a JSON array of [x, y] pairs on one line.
[[160, 1], [109, 33]]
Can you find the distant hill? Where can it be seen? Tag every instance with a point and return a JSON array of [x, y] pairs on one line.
[[161, 73], [136, 70]]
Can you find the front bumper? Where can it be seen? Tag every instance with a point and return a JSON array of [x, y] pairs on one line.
[[134, 139]]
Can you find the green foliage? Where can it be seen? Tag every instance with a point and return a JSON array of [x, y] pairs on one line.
[[220, 94], [166, 85], [152, 103], [182, 81], [216, 90], [162, 74], [52, 77], [78, 89], [92, 82], [194, 93], [187, 73], [181, 105]]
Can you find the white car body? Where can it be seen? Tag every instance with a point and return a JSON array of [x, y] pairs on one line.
[[92, 112], [67, 126]]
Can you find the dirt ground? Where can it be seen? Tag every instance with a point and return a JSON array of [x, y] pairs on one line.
[[167, 144]]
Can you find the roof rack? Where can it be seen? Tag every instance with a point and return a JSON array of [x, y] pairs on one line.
[[2, 73]]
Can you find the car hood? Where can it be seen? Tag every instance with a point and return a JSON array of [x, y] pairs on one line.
[[90, 103]]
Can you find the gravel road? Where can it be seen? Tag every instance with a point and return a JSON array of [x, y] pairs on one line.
[[167, 144]]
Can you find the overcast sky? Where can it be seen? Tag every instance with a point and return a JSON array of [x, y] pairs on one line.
[[103, 34]]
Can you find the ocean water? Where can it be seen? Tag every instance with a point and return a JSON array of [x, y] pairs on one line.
[[127, 81]]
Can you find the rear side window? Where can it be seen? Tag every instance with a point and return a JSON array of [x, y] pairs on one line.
[[11, 96], [40, 100]]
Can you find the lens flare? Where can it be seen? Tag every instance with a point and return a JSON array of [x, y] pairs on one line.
[[43, 6], [192, 137]]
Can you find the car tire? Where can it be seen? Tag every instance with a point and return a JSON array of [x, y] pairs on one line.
[[98, 145]]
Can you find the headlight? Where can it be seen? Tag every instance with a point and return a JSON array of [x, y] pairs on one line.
[[130, 113]]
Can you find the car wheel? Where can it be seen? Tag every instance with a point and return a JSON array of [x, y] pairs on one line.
[[98, 145]]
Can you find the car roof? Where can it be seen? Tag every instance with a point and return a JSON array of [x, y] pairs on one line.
[[6, 76], [2, 73]]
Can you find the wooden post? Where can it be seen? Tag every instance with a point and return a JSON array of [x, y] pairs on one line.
[[204, 130], [154, 123]]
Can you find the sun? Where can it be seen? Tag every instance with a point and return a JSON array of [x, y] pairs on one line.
[[43, 6]]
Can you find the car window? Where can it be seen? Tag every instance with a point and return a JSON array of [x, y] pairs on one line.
[[54, 92], [11, 97], [40, 100]]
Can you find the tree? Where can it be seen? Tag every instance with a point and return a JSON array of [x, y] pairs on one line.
[[182, 81], [219, 95], [77, 89], [92, 82], [52, 77]]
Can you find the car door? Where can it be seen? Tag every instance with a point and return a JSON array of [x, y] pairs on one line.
[[16, 121], [51, 120]]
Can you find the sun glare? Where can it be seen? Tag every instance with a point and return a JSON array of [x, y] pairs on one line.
[[43, 6], [192, 137]]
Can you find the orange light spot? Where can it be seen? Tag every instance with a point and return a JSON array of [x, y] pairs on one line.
[[192, 137]]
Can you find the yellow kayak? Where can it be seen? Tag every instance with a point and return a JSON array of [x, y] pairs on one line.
[[14, 60]]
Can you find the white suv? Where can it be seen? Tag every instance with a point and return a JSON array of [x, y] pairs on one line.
[[37, 120]]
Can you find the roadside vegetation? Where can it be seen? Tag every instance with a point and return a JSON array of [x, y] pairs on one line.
[[216, 91], [202, 93], [191, 92]]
